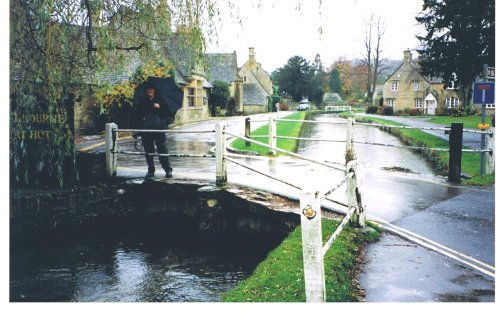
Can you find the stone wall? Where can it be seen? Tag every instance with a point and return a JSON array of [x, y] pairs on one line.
[[254, 109], [215, 212]]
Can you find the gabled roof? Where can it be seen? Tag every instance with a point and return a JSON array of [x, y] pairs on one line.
[[413, 64], [222, 66], [252, 94]]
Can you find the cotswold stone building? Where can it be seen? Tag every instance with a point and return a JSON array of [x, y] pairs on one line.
[[407, 88], [257, 86], [224, 67]]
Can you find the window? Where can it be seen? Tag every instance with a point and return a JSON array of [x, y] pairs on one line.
[[394, 86], [418, 103], [452, 102], [390, 102], [416, 85], [191, 97], [205, 101]]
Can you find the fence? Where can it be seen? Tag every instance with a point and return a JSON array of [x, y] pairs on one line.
[[310, 199], [338, 108]]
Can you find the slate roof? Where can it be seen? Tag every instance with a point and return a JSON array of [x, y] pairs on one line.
[[253, 94], [222, 66]]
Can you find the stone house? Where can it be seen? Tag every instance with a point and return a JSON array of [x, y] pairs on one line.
[[191, 78], [257, 86], [224, 67], [407, 88]]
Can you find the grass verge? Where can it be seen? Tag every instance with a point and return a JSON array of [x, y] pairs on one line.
[[439, 160], [280, 277], [291, 129], [468, 121]]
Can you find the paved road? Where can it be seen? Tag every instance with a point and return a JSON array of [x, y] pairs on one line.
[[469, 140], [462, 218]]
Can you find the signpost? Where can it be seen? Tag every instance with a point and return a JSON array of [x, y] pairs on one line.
[[484, 93]]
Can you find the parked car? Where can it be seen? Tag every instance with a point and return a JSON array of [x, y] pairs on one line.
[[303, 107]]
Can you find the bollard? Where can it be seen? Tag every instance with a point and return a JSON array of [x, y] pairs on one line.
[[247, 131], [272, 136], [111, 149], [354, 198], [490, 156], [455, 162], [349, 150], [312, 247], [220, 149]]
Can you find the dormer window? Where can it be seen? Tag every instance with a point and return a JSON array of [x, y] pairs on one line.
[[416, 85], [394, 86]]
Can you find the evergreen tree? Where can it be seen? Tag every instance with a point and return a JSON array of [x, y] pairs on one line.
[[294, 78], [335, 82], [459, 40]]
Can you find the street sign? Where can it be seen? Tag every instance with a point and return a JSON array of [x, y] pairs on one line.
[[483, 126], [490, 72], [484, 93]]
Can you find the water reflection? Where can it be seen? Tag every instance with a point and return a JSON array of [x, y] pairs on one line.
[[126, 268]]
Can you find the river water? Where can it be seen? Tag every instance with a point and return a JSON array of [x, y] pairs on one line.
[[373, 157], [126, 263]]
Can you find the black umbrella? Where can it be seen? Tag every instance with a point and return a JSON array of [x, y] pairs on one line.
[[166, 90]]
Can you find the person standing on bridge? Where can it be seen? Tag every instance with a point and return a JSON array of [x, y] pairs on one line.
[[153, 113]]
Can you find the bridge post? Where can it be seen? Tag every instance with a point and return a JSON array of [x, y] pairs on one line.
[[312, 247], [111, 149], [272, 136], [490, 156], [220, 150], [349, 149], [354, 198], [247, 131]]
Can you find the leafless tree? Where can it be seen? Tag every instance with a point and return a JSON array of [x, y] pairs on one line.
[[372, 57]]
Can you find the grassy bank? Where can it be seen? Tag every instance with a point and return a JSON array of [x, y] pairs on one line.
[[280, 277], [468, 121], [292, 129], [439, 160]]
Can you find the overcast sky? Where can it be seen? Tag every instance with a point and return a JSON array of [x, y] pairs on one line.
[[278, 31]]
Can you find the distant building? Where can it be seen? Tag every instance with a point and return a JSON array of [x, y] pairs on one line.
[[257, 86], [408, 88], [224, 67]]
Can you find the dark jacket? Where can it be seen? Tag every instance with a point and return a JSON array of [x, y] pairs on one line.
[[151, 118]]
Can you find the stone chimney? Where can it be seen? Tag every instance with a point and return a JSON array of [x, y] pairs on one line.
[[251, 56], [407, 56]]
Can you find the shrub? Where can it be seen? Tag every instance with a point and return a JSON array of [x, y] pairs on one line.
[[416, 112], [284, 107], [441, 110], [220, 112], [456, 112], [385, 110], [372, 109]]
